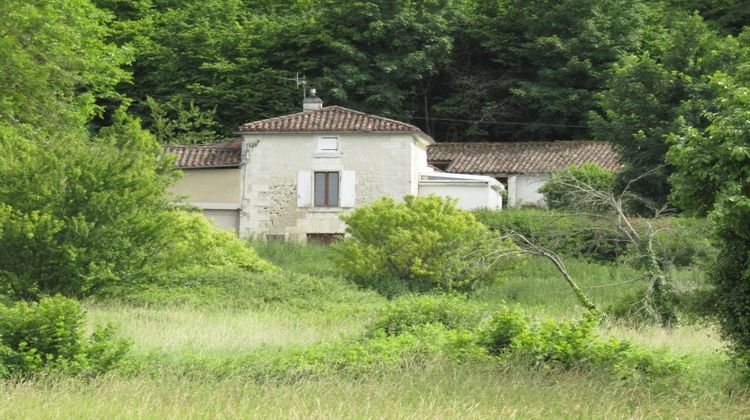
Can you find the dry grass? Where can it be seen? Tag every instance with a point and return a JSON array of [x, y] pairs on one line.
[[440, 392], [204, 331]]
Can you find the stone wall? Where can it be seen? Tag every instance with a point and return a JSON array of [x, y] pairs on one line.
[[384, 165]]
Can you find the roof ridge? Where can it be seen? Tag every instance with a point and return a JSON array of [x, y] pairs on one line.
[[331, 119], [520, 142]]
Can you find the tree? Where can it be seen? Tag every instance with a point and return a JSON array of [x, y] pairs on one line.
[[537, 63], [649, 94], [713, 176], [55, 64], [174, 123], [80, 210], [581, 194]]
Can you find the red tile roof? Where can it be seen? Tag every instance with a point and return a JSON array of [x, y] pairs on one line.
[[520, 157], [219, 155], [329, 119]]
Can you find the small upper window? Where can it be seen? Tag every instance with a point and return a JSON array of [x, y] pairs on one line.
[[327, 144]]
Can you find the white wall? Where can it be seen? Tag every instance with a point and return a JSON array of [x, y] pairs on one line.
[[469, 196], [382, 165], [523, 189]]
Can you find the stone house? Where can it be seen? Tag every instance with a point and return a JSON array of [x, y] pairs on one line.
[[292, 176], [522, 167]]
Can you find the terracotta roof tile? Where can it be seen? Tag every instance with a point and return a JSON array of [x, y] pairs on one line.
[[521, 157], [329, 119], [219, 155]]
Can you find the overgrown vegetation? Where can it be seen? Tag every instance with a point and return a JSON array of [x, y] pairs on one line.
[[717, 158], [422, 244], [559, 195], [50, 336]]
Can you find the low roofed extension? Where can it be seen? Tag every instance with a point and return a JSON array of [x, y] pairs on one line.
[[226, 154], [520, 157]]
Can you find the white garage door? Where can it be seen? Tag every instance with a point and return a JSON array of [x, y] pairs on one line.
[[225, 219]]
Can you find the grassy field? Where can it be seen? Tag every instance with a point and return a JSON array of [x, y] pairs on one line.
[[197, 355]]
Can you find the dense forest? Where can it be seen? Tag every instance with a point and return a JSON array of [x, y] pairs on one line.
[[461, 70], [631, 72]]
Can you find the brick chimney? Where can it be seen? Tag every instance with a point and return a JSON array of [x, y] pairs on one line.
[[312, 102]]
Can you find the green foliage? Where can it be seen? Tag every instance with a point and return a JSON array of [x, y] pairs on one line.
[[648, 95], [235, 288], [173, 123], [51, 336], [571, 345], [568, 234], [197, 244], [679, 241], [536, 62], [563, 190], [713, 176], [356, 358], [55, 63], [77, 215], [421, 244], [408, 312]]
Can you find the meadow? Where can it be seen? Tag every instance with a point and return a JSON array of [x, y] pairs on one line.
[[260, 345]]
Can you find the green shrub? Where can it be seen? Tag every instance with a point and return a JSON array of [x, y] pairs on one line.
[[50, 336], [405, 313], [198, 244], [560, 191], [422, 244], [79, 214], [570, 345], [680, 241], [568, 234]]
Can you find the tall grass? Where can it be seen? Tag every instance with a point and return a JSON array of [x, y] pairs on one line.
[[539, 286], [193, 330], [199, 340], [439, 391], [312, 258]]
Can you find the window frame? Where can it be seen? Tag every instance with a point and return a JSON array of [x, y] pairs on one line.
[[326, 194]]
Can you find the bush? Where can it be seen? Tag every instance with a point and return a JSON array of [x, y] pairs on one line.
[[403, 314], [680, 241], [50, 336], [78, 214], [197, 244], [574, 235], [422, 244], [559, 192], [570, 345]]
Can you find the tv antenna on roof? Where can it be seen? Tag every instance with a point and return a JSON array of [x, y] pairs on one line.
[[299, 81]]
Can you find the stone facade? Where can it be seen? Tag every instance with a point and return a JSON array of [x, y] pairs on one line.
[[279, 168]]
